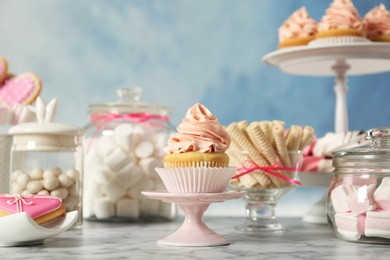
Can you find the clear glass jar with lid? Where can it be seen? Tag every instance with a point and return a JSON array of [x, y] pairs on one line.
[[47, 159], [358, 207], [124, 143]]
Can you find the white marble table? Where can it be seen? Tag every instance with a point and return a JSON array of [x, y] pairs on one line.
[[138, 241]]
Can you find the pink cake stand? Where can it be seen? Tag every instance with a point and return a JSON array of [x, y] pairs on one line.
[[193, 231]]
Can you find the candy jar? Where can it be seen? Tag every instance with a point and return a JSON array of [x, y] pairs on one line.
[[123, 145], [47, 158], [359, 195]]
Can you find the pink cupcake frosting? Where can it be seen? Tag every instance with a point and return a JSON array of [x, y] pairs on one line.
[[198, 132], [299, 24], [377, 21], [341, 14]]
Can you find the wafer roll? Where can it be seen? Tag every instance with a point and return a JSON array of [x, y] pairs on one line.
[[266, 127], [307, 137], [261, 142], [293, 139], [242, 124], [280, 142]]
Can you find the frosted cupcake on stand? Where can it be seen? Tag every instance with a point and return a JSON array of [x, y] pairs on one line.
[[196, 161], [299, 29], [377, 24], [340, 24]]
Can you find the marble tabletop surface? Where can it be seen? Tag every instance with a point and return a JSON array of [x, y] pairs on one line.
[[98, 240]]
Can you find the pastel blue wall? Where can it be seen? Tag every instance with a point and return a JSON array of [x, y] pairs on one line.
[[179, 52]]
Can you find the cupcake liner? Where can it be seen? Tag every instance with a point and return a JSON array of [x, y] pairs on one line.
[[337, 40], [196, 179], [183, 164]]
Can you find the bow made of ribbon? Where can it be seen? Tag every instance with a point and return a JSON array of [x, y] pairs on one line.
[[142, 117], [18, 201], [272, 169]]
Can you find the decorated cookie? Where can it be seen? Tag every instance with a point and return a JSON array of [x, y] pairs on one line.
[[42, 208], [3, 69], [23, 89]]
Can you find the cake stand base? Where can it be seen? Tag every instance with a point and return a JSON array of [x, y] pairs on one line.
[[193, 231]]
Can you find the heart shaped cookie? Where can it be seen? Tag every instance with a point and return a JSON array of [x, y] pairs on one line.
[[3, 69], [23, 89]]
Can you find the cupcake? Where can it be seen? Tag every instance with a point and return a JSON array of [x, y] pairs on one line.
[[377, 24], [195, 160], [298, 29], [341, 24]]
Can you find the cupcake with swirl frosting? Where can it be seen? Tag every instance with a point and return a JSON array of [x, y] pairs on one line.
[[195, 160], [340, 24], [377, 24], [299, 29]]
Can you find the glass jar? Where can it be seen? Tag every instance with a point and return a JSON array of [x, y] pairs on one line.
[[123, 145], [47, 158], [358, 207]]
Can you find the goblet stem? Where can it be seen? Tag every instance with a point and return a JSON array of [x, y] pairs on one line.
[[260, 212]]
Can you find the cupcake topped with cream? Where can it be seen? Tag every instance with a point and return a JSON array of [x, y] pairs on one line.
[[199, 132], [341, 19], [195, 160], [377, 24], [297, 30]]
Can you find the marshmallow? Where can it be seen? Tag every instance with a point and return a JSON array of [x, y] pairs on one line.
[[350, 226], [361, 200], [129, 175], [101, 175], [127, 208], [123, 135], [144, 150], [148, 166], [114, 191], [105, 145], [104, 208], [359, 180], [377, 224], [382, 194], [116, 159], [144, 184], [339, 197]]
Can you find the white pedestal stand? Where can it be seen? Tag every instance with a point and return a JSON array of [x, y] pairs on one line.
[[337, 60]]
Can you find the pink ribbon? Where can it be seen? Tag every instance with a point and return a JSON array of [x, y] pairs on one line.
[[135, 117], [268, 169]]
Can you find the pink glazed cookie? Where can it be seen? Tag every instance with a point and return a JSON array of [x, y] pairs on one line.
[[41, 208], [23, 89]]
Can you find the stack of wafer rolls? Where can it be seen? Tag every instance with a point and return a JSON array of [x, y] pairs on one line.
[[265, 143]]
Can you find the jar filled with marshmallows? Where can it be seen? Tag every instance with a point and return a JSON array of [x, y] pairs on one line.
[[358, 205], [47, 159], [123, 145]]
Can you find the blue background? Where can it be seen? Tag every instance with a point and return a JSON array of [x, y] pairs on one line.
[[179, 53]]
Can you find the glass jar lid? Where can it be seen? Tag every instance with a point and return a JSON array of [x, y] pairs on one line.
[[129, 102], [375, 155]]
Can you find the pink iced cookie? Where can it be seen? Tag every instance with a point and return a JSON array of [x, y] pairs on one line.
[[382, 194], [23, 89], [3, 69], [42, 208], [377, 224], [350, 226], [361, 199]]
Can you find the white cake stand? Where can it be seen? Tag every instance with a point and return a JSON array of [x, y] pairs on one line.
[[337, 60], [193, 231]]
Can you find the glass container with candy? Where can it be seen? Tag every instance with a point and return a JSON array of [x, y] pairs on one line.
[[47, 158], [123, 145], [359, 195]]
